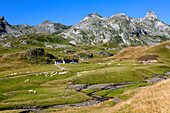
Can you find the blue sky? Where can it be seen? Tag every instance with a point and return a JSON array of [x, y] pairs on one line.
[[70, 12]]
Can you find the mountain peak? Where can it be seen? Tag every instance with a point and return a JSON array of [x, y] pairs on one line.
[[151, 16], [46, 21], [2, 18], [94, 15], [120, 15]]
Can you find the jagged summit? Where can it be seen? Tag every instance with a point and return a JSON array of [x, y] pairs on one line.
[[46, 21], [94, 15], [18, 30], [119, 29], [151, 16], [120, 15], [2, 18]]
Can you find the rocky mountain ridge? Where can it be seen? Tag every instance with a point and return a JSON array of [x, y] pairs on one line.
[[17, 30], [119, 30]]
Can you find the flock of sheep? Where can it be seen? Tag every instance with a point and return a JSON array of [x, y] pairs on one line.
[[47, 74], [19, 73]]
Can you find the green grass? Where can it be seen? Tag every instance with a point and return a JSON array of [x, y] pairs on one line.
[[44, 97], [53, 90], [14, 92], [118, 92], [109, 75], [89, 91]]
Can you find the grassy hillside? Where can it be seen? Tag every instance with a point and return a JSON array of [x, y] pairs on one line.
[[52, 89], [150, 99]]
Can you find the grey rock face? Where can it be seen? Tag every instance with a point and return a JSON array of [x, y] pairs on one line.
[[167, 73], [18, 30], [153, 80], [7, 45], [77, 87], [5, 27], [119, 30], [25, 42]]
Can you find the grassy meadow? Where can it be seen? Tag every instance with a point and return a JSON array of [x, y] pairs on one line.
[[52, 89]]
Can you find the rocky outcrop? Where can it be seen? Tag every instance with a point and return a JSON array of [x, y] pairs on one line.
[[38, 55], [119, 30], [5, 28], [77, 87], [8, 44]]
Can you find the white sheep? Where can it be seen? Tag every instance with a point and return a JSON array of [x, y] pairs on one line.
[[35, 91], [109, 64], [27, 80], [79, 74], [63, 69], [31, 91]]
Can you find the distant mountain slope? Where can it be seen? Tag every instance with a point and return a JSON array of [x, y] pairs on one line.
[[119, 30], [17, 30]]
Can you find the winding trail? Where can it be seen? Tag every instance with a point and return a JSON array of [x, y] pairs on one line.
[[60, 67]]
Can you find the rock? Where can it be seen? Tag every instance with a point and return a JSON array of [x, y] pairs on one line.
[[156, 75], [68, 51], [49, 46], [72, 42], [100, 86], [164, 77], [2, 43], [90, 55], [117, 100], [108, 54], [153, 80], [78, 104], [167, 73], [38, 55], [8, 44], [25, 42], [77, 87], [168, 47], [118, 29]]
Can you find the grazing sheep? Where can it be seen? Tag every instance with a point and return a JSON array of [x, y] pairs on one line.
[[79, 74], [63, 69], [35, 91], [27, 80], [15, 73], [109, 64], [31, 91], [62, 73]]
